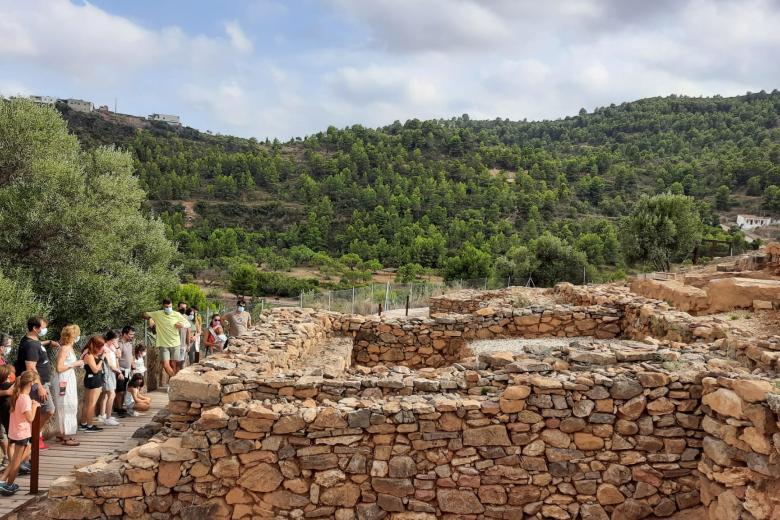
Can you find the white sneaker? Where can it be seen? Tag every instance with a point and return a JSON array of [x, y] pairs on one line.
[[111, 422], [135, 414], [100, 418]]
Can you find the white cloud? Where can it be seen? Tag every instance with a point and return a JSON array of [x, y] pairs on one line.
[[372, 62], [238, 39]]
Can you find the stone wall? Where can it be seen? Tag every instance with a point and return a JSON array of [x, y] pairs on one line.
[[590, 430], [740, 466], [559, 447], [443, 339], [467, 301], [645, 317]]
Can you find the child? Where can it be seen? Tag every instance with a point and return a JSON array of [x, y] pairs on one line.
[[23, 410], [6, 382], [140, 360], [134, 401]]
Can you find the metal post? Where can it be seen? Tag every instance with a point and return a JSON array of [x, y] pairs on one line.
[[583, 276], [509, 281], [407, 305], [329, 299], [387, 293], [486, 283], [301, 299], [35, 460], [372, 295], [353, 299], [380, 309]]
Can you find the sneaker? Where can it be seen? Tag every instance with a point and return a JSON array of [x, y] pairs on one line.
[[13, 486], [136, 414], [92, 428], [83, 426], [6, 490], [25, 468], [100, 418], [111, 421]]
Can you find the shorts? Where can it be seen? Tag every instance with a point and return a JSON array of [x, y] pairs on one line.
[[48, 405], [20, 442], [170, 353], [93, 381], [109, 380], [121, 384]]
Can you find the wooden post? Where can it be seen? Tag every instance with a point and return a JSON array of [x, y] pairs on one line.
[[35, 457], [380, 309], [407, 305]]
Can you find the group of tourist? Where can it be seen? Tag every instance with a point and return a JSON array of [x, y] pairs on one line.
[[113, 367], [114, 376], [179, 332]]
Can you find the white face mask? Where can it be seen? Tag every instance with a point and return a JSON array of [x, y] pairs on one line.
[[43, 332], [78, 338], [8, 350], [168, 310], [240, 308]]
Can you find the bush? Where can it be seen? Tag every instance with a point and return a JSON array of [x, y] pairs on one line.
[[278, 284], [17, 303]]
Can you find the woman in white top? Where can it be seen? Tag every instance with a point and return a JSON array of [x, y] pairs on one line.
[[63, 386], [110, 374]]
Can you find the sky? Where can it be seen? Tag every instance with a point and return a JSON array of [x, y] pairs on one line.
[[267, 68]]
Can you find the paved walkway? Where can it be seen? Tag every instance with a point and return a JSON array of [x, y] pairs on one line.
[[60, 460]]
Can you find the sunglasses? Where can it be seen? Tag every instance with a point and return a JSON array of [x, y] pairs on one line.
[[217, 320]]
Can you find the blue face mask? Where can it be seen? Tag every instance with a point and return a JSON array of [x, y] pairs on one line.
[[43, 332], [240, 308], [168, 310]]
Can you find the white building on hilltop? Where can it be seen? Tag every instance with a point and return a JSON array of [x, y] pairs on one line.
[[748, 222], [44, 100], [79, 105], [165, 118]]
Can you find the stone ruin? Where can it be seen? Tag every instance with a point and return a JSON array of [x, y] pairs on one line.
[[595, 404], [751, 281]]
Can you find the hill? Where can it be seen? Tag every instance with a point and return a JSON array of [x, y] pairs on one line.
[[418, 192]]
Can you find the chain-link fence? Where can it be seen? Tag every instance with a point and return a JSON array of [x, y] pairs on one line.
[[388, 297]]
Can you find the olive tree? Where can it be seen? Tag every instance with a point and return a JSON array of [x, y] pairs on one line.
[[71, 221], [661, 229]]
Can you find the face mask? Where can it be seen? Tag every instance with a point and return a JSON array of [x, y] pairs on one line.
[[43, 331], [240, 308], [8, 350], [191, 317], [168, 310], [78, 338]]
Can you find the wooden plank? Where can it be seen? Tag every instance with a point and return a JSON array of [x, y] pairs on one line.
[[60, 460]]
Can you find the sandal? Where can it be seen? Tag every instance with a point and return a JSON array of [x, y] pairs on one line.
[[71, 442]]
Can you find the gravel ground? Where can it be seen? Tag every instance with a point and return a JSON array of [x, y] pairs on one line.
[[531, 346]]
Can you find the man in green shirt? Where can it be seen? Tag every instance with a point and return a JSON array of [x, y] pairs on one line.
[[167, 324]]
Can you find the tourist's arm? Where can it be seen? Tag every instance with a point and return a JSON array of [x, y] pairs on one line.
[[30, 413], [9, 391]]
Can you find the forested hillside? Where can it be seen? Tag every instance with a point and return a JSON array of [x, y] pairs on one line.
[[461, 196]]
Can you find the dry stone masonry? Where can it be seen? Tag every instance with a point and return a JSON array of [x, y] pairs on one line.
[[635, 411]]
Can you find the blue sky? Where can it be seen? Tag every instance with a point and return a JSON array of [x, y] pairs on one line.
[[267, 68]]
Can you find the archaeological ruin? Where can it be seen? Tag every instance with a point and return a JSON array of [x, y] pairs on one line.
[[578, 402]]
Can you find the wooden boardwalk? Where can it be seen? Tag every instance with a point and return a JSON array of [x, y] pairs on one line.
[[60, 460]]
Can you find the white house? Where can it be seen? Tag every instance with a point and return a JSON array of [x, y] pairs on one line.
[[79, 105], [165, 118], [752, 221], [44, 100]]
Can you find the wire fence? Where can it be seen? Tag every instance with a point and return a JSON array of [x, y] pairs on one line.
[[388, 297]]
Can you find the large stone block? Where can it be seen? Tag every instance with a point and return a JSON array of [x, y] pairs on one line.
[[188, 385]]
